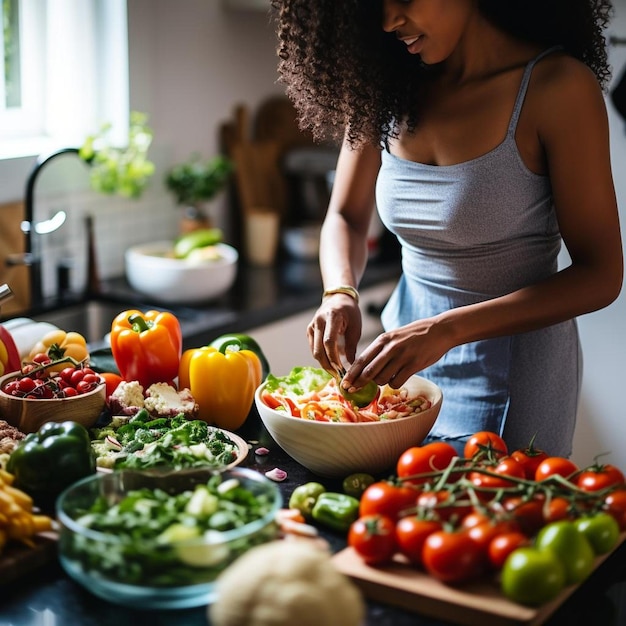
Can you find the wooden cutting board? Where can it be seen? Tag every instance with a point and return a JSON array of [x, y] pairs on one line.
[[474, 604], [17, 560], [12, 243]]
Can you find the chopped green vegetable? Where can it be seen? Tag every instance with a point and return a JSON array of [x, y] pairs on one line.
[[300, 380], [177, 442], [153, 530]]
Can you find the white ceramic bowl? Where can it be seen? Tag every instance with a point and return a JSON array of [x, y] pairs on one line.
[[338, 449], [29, 414], [302, 242], [150, 272]]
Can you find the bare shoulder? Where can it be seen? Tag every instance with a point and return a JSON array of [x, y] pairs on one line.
[[563, 87]]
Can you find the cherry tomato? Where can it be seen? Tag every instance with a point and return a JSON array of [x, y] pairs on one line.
[[506, 466], [555, 465], [41, 358], [66, 374], [615, 505], [451, 556], [529, 458], [558, 508], [443, 505], [528, 513], [85, 387], [69, 392], [386, 498], [373, 538], [502, 545], [76, 377], [485, 445], [411, 533], [482, 534], [431, 457], [532, 576], [597, 477], [27, 384]]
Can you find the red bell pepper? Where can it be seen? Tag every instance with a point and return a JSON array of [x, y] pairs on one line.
[[9, 354], [147, 346]]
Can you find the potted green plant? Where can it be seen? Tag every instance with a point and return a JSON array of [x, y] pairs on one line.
[[124, 171], [195, 182]]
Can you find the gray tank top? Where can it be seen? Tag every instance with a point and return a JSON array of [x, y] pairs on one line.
[[470, 232]]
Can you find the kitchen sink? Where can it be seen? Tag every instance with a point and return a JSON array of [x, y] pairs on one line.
[[93, 319]]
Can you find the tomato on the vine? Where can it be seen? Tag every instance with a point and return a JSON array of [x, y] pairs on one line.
[[386, 498], [615, 505], [530, 458], [505, 466], [373, 538], [527, 512], [485, 445], [558, 508], [482, 534], [424, 459], [597, 477], [451, 556], [411, 534], [555, 465], [502, 545], [443, 504]]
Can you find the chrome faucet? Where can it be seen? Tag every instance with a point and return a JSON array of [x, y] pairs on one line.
[[32, 253]]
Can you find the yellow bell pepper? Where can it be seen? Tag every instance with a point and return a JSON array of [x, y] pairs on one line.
[[58, 344], [222, 383]]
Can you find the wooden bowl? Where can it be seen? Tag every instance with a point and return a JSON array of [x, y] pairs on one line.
[[29, 414]]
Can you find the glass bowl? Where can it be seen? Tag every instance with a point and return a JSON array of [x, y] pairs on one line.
[[135, 552]]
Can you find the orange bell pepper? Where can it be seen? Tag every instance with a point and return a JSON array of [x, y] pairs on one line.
[[147, 346], [222, 383]]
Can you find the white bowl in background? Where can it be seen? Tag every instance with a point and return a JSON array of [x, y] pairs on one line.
[[166, 279], [338, 449], [302, 242]]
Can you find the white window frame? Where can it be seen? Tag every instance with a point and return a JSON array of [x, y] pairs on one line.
[[74, 59]]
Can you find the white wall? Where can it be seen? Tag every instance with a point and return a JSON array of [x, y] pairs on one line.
[[191, 62], [602, 416]]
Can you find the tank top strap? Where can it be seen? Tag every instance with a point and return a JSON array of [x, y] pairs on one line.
[[521, 94]]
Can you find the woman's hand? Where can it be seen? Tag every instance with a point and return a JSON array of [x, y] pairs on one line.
[[394, 356], [334, 331]]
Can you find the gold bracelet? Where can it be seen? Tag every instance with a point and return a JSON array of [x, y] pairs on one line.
[[345, 289]]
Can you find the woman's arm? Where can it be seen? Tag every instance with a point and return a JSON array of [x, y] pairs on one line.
[[343, 254]]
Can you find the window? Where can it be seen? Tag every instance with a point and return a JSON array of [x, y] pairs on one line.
[[65, 72]]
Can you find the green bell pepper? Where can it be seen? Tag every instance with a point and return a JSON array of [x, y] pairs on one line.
[[49, 460], [336, 510], [305, 496], [238, 341]]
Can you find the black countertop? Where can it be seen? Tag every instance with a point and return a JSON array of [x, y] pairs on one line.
[[48, 597]]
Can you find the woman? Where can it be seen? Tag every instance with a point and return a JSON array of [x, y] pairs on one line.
[[478, 128]]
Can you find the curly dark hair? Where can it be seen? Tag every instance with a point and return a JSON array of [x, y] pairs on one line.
[[341, 70]]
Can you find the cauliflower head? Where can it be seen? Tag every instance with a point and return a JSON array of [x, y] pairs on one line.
[[282, 583]]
